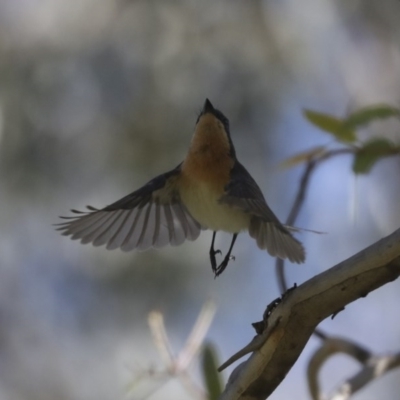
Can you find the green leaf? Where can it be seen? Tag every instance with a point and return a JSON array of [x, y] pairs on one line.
[[331, 124], [371, 152], [368, 114], [212, 378]]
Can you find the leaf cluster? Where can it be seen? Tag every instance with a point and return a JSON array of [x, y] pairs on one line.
[[345, 131]]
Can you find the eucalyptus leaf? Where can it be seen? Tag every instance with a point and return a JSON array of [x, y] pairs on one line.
[[333, 125], [373, 150], [211, 377]]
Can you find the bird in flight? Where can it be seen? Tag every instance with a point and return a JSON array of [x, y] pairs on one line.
[[210, 189]]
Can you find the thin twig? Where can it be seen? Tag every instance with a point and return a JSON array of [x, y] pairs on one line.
[[332, 346], [160, 338], [299, 202], [177, 366], [295, 211], [196, 337]]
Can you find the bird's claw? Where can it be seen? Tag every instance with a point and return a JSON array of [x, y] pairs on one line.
[[220, 269], [213, 253]]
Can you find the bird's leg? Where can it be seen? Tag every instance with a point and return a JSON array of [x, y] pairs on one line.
[[213, 253], [227, 258]]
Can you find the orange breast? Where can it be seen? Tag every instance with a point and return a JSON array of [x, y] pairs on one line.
[[208, 159], [204, 175]]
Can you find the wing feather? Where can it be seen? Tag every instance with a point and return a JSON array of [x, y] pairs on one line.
[[178, 226], [120, 235], [146, 237], [242, 192], [109, 231], [91, 234], [151, 216], [164, 233], [131, 238]]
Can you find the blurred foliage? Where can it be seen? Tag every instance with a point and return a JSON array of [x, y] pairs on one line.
[[367, 153], [370, 152], [332, 125], [212, 378], [369, 114]]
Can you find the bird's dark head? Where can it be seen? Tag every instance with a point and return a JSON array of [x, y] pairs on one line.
[[212, 129], [208, 108]]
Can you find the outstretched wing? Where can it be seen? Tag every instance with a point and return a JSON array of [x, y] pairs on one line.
[[151, 216], [243, 192]]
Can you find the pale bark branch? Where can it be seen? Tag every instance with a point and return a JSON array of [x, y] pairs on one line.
[[374, 369], [330, 347], [295, 319]]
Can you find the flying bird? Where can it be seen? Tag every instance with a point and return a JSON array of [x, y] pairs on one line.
[[210, 189]]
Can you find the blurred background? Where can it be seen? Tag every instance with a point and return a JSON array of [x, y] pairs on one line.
[[99, 96]]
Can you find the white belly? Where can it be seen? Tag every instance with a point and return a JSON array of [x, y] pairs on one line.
[[203, 205]]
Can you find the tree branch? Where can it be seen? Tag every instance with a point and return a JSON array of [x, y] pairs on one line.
[[374, 369], [330, 347], [295, 319]]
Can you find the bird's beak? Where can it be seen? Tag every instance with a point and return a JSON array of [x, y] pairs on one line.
[[208, 107]]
